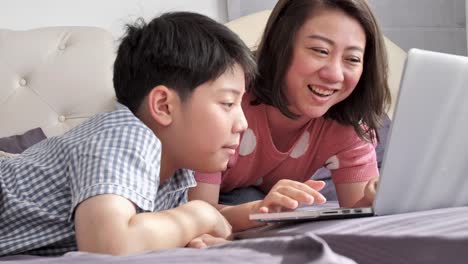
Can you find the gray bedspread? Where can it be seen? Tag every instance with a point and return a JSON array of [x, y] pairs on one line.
[[302, 248], [436, 236]]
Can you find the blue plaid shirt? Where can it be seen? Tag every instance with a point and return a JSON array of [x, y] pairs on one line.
[[111, 153]]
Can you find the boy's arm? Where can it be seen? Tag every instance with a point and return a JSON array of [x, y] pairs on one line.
[[109, 224]]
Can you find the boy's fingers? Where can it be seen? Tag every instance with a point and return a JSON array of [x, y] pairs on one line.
[[206, 240], [196, 243], [212, 241]]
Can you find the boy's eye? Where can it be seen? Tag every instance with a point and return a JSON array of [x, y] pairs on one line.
[[228, 105]]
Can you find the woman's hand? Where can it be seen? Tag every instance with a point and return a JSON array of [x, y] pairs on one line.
[[370, 190], [288, 194], [206, 240]]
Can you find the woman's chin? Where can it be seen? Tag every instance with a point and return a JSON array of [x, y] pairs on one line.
[[315, 113]]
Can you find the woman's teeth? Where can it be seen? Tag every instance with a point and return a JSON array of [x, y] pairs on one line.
[[320, 92]]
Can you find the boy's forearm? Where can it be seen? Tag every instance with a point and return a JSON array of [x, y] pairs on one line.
[[238, 216], [171, 228], [145, 231]]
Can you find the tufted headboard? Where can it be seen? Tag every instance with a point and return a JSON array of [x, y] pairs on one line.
[[54, 78]]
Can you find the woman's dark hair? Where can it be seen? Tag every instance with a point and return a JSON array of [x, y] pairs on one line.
[[366, 105], [180, 50]]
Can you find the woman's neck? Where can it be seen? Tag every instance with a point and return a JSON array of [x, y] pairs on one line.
[[284, 130]]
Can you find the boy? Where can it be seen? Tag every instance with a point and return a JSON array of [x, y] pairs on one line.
[[116, 184]]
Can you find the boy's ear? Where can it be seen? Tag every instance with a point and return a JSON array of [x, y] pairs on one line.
[[161, 104]]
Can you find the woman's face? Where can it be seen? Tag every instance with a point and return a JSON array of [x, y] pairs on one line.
[[327, 62]]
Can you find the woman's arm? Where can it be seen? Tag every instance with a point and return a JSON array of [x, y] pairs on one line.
[[360, 194], [286, 194], [109, 224], [206, 192], [238, 215]]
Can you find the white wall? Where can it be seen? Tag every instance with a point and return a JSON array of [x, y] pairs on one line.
[[238, 8], [437, 25], [109, 14]]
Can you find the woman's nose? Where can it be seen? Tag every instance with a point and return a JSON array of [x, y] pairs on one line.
[[332, 71]]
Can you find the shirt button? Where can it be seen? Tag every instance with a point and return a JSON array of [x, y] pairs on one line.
[[23, 82], [61, 119]]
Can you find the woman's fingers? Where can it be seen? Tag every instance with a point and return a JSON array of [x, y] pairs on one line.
[[371, 189], [307, 192], [277, 198], [288, 194], [316, 185], [290, 197]]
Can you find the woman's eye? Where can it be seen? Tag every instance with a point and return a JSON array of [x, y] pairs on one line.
[[320, 51], [354, 60]]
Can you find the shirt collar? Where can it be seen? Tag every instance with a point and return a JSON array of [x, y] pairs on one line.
[[182, 179]]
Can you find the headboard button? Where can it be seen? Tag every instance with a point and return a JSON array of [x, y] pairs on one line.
[[23, 82]]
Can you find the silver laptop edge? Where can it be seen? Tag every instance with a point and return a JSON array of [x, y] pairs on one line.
[[426, 158], [322, 214]]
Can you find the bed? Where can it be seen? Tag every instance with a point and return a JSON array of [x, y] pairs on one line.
[[434, 236]]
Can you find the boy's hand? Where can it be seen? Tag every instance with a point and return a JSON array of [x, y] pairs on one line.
[[288, 194], [220, 226], [206, 240], [222, 229]]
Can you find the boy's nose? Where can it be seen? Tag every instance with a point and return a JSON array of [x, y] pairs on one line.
[[240, 124], [332, 72]]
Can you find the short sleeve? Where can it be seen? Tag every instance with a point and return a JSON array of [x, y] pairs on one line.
[[216, 177], [211, 178], [124, 161], [354, 162]]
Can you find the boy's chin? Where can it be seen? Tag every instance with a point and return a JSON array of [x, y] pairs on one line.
[[220, 166]]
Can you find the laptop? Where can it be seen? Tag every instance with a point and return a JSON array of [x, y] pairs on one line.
[[425, 164]]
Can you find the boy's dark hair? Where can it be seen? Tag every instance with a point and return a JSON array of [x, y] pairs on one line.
[[371, 97], [180, 50]]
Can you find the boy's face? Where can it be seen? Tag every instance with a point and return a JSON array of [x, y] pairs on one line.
[[208, 124]]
